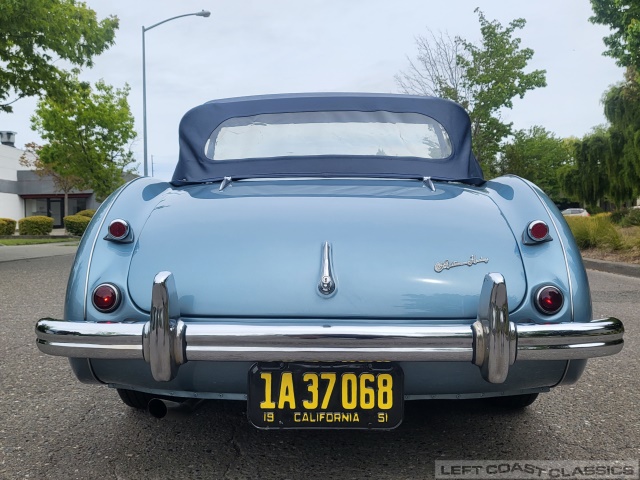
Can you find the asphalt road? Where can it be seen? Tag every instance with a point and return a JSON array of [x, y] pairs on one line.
[[51, 426]]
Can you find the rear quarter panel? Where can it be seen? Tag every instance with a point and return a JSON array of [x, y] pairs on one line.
[[558, 261], [98, 260]]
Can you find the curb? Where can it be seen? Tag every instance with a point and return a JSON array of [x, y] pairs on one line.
[[627, 269]]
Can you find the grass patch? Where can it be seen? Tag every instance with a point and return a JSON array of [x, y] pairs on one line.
[[596, 232], [35, 241], [600, 238]]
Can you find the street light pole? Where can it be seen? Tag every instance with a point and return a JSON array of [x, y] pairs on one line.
[[203, 13]]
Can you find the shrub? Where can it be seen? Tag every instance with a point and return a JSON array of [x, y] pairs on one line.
[[632, 218], [618, 215], [86, 213], [36, 225], [7, 226], [595, 209], [595, 232], [76, 224]]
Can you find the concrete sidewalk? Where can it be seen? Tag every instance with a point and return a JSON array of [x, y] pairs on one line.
[[22, 252], [627, 269]]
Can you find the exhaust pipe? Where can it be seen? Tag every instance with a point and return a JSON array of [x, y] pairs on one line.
[[159, 408]]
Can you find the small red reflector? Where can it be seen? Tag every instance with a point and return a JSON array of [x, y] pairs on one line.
[[118, 229], [550, 300], [538, 230], [106, 297]]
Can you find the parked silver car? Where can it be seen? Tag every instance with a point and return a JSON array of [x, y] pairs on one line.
[[575, 212]]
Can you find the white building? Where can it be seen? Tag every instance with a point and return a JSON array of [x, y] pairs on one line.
[[23, 193]]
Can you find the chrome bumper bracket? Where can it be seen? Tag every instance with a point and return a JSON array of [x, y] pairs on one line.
[[163, 337], [495, 337]]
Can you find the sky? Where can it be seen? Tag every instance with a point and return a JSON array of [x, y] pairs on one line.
[[250, 47]]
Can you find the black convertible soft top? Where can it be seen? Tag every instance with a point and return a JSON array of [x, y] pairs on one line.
[[197, 125]]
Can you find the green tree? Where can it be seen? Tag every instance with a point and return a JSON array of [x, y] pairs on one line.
[[484, 78], [623, 18], [594, 174], [537, 154], [622, 109], [63, 180], [35, 34], [622, 101], [89, 134]]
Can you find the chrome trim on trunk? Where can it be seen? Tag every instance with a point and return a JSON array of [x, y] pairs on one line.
[[427, 182], [327, 285], [226, 181]]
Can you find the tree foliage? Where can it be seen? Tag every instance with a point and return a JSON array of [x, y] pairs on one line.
[[591, 155], [89, 134], [537, 155], [599, 172], [436, 71], [36, 34], [623, 17], [64, 180], [484, 78], [621, 102], [622, 109]]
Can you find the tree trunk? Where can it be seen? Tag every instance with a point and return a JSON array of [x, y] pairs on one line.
[[65, 211]]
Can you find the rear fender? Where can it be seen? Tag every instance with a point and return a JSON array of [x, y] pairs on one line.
[[557, 262], [98, 260]]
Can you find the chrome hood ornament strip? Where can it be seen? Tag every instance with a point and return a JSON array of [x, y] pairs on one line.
[[327, 285]]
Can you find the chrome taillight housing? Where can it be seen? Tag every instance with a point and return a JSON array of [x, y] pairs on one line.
[[549, 299], [106, 297], [536, 232], [119, 231]]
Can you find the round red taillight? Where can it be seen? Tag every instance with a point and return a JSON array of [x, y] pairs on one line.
[[106, 297], [538, 230], [549, 300], [118, 229]]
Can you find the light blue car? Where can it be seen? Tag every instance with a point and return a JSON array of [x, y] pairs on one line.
[[325, 258]]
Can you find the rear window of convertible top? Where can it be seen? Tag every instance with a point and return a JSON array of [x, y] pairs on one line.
[[353, 133]]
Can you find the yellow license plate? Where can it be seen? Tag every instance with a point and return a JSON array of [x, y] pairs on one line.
[[320, 395]]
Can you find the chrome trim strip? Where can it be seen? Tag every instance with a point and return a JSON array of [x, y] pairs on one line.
[[427, 182], [330, 343], [226, 181], [327, 285], [421, 343], [89, 340]]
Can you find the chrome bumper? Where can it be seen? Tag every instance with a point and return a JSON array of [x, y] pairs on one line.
[[492, 342]]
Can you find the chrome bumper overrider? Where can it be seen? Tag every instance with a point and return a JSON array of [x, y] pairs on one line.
[[492, 342]]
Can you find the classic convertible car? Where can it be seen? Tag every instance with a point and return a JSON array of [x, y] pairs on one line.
[[325, 258]]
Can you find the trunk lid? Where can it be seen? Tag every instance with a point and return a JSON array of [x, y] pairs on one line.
[[398, 249]]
